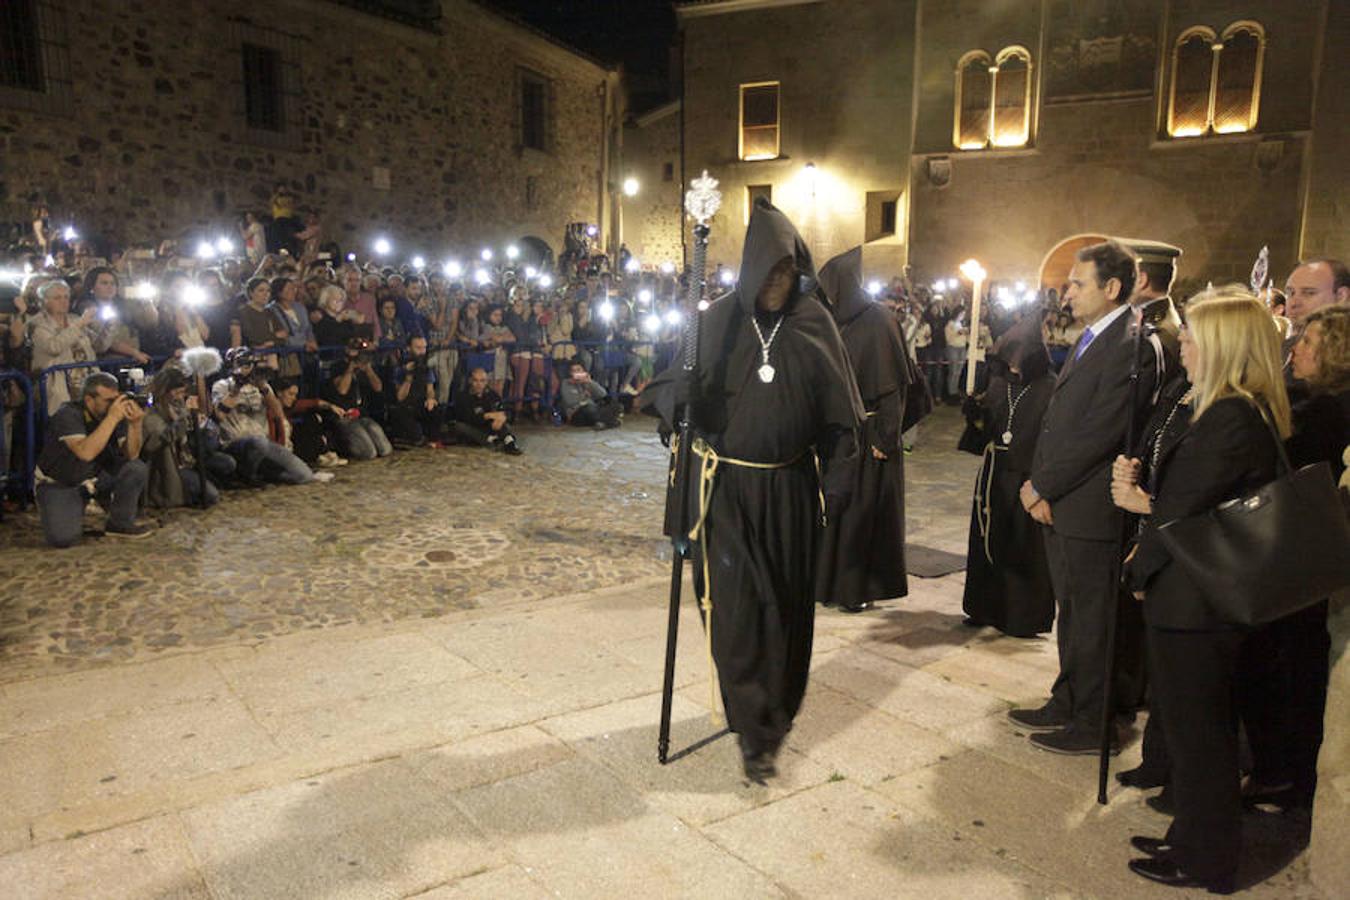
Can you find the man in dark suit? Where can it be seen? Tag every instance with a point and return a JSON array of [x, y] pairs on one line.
[[1069, 490]]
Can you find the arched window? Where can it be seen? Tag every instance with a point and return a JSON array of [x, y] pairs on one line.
[[1012, 97], [993, 100], [1216, 83], [973, 94], [1237, 93]]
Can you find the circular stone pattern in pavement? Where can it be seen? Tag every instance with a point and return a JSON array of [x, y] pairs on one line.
[[441, 547]]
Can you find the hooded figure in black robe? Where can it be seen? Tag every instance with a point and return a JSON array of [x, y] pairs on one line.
[[765, 419], [863, 556], [1007, 576]]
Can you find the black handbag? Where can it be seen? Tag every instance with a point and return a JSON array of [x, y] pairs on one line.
[[1271, 553]]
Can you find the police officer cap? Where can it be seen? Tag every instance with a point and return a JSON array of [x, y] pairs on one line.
[[1153, 252]]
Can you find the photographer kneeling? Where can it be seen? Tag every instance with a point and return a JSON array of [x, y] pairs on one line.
[[349, 391], [95, 439], [414, 416], [244, 402], [169, 447]]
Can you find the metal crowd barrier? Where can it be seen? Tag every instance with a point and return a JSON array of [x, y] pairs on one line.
[[30, 435]]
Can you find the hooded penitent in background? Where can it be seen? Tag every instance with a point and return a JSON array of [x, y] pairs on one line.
[[862, 558], [772, 390], [1007, 577]]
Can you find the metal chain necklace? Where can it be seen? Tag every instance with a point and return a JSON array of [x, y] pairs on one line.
[[766, 371], [1007, 435], [1162, 432]]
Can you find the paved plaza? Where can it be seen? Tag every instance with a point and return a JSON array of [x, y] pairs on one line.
[[439, 677]]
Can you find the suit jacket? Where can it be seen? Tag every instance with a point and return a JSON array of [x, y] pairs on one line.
[[1085, 428], [1225, 453]]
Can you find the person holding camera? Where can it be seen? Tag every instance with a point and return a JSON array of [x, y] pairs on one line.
[[93, 448], [414, 415], [479, 417], [168, 447], [585, 403], [244, 407], [349, 391]]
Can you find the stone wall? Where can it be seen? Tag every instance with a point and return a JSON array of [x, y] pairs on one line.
[[845, 97], [652, 220], [393, 129], [1328, 204]]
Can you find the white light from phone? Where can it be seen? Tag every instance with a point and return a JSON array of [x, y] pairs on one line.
[[419, 263], [486, 255], [632, 265], [481, 276], [194, 295], [607, 311], [512, 252], [674, 317], [874, 287], [546, 281], [644, 296], [453, 269], [652, 323], [69, 234], [728, 276], [225, 246]]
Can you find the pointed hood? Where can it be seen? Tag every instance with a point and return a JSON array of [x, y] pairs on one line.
[[1023, 346], [770, 238], [841, 280]]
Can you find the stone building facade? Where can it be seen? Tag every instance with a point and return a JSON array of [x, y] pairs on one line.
[[1082, 134], [436, 122], [652, 220]]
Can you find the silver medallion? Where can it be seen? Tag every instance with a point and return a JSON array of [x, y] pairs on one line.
[[1007, 438], [766, 373]]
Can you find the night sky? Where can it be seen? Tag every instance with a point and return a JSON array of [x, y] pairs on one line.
[[637, 33]]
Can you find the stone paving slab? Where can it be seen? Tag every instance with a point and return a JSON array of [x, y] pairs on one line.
[[839, 840], [144, 859], [508, 881], [587, 834]]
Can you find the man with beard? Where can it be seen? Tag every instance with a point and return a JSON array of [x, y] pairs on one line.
[[772, 394], [863, 554]]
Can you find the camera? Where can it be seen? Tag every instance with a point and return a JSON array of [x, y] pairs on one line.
[[135, 386]]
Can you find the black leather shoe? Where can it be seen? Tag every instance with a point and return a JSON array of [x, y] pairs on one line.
[[1162, 803], [857, 608], [1164, 870], [1043, 719], [1071, 741], [1142, 777], [1151, 846]]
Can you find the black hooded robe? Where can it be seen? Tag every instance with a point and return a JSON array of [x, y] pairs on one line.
[[1007, 575], [863, 554], [762, 525]]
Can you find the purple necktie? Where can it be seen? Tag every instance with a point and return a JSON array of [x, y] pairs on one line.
[[1083, 343]]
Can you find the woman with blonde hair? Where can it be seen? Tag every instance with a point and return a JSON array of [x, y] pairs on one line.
[[1232, 357]]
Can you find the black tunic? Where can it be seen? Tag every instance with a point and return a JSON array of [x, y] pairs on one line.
[[863, 553], [1007, 576], [762, 525]]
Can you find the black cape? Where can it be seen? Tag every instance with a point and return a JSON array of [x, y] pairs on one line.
[[762, 525], [1007, 576], [863, 553]]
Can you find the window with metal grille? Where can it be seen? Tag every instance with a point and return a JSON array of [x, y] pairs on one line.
[[534, 114], [34, 56], [1216, 80], [759, 121], [20, 50], [263, 104]]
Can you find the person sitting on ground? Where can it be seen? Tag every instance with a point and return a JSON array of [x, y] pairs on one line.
[[585, 403], [414, 416], [350, 389], [304, 427], [479, 418], [244, 407], [93, 448], [168, 447]]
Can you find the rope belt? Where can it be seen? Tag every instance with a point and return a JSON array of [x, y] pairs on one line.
[[709, 462]]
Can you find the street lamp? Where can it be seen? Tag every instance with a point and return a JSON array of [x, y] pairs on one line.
[[874, 288], [630, 186]]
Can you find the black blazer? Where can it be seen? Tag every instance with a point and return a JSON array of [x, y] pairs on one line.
[[1084, 429], [1227, 452]]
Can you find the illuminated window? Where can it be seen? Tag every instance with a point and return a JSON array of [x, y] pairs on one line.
[[1216, 82], [759, 121], [973, 92], [1012, 97], [993, 100]]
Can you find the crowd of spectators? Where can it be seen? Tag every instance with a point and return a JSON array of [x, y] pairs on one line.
[[275, 356]]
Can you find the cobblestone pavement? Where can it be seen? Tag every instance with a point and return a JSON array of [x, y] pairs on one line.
[[417, 534]]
